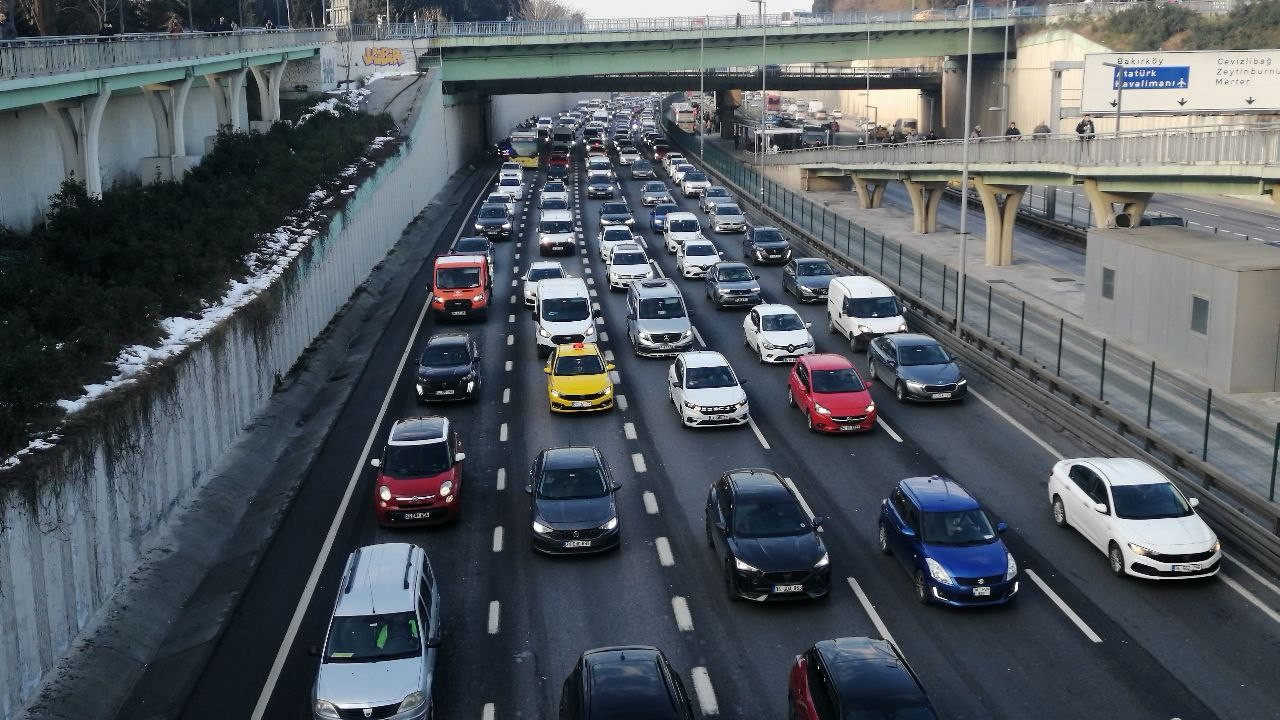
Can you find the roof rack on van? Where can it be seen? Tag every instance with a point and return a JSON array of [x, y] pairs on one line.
[[408, 566], [351, 571]]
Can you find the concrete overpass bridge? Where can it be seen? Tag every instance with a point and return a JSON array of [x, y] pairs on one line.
[[1118, 173]]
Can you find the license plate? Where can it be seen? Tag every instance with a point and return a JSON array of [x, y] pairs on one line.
[[787, 588], [581, 404], [417, 515], [1187, 567], [458, 312], [445, 392], [577, 543], [848, 427], [981, 591], [940, 396], [717, 417]]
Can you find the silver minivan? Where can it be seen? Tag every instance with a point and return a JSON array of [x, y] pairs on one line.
[[657, 320], [379, 653]]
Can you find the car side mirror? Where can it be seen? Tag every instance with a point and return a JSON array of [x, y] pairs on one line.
[[818, 521], [616, 486], [528, 489], [631, 316], [1002, 526], [609, 366], [908, 532], [808, 325], [433, 641], [1193, 502], [721, 526], [428, 287], [547, 370], [535, 315], [375, 462], [755, 276], [1100, 507], [459, 457]]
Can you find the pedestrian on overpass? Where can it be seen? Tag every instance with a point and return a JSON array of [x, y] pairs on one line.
[[735, 140], [976, 133], [1041, 131], [739, 20], [1012, 132], [1084, 128], [108, 31], [8, 31]]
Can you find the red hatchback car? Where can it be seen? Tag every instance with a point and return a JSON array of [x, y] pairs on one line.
[[419, 474], [828, 390], [559, 158]]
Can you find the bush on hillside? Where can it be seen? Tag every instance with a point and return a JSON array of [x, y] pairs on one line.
[[101, 273], [1171, 26]]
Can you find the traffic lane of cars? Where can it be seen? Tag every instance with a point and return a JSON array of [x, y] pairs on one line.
[[1047, 615]]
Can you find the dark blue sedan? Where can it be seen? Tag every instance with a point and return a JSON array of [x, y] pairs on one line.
[[944, 540], [658, 215]]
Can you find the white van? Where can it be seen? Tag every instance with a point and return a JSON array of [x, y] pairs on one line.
[[555, 232], [562, 314], [862, 309]]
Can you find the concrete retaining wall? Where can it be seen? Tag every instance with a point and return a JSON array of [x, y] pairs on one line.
[[75, 521]]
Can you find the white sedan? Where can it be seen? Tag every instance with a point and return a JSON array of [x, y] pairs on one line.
[[695, 257], [511, 187], [555, 189], [1135, 516], [706, 391], [612, 236], [627, 264], [777, 333]]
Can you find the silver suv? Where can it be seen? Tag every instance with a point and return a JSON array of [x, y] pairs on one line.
[[379, 654], [657, 320]]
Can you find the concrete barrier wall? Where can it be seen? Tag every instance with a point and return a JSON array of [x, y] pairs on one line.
[[76, 520]]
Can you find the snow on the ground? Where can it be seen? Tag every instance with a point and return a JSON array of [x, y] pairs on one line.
[[389, 74], [263, 266], [348, 98]]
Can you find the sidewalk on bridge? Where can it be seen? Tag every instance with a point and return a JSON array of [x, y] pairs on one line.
[[1050, 289]]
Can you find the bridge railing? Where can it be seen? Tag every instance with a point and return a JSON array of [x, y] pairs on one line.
[[1249, 145], [31, 57]]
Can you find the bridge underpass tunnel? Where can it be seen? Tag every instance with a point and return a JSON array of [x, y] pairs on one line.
[[1103, 202], [727, 104], [1000, 210]]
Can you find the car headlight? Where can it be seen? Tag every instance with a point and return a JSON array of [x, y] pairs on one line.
[[325, 709], [686, 334], [741, 403], [446, 488], [645, 336], [806, 290], [691, 406], [384, 492], [871, 408], [1217, 546], [506, 226], [591, 330], [479, 226], [1011, 569], [915, 385], [864, 329], [902, 327], [543, 332], [631, 221], [608, 390], [820, 409], [554, 393], [938, 572], [477, 297], [744, 567], [823, 561], [1140, 550], [768, 345], [540, 528], [412, 701], [962, 381], [613, 523]]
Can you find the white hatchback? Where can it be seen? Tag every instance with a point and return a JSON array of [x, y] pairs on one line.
[[777, 333], [696, 257], [1135, 516], [706, 391]]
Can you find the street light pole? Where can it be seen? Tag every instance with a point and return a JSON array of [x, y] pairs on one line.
[[964, 176], [1119, 81], [1004, 68], [702, 90], [867, 72], [762, 145]]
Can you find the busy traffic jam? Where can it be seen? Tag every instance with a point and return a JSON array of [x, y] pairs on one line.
[[646, 455]]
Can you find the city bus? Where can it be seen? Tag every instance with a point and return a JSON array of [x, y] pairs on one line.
[[524, 148]]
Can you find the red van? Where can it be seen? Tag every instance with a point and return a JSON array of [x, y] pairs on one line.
[[460, 287]]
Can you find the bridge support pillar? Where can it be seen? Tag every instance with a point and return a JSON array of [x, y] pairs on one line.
[[870, 191], [727, 103], [228, 98], [268, 78], [168, 103], [77, 126], [1103, 204], [1000, 209], [925, 199]]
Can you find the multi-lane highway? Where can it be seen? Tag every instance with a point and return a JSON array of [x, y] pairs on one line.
[[1076, 643]]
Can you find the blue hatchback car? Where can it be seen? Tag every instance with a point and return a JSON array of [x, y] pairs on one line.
[[658, 215], [944, 540]]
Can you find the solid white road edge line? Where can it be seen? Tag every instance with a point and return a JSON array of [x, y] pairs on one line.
[[1025, 431], [871, 613], [880, 421], [1253, 573], [1062, 605], [804, 505], [702, 688], [664, 552], [1249, 596], [494, 609], [650, 503], [759, 435], [684, 619]]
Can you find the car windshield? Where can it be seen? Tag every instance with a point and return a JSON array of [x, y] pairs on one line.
[[509, 182], [497, 199], [812, 269], [871, 307], [493, 212], [684, 168], [705, 378], [599, 165], [471, 245], [1150, 501], [543, 273], [957, 527], [578, 365], [769, 518], [683, 226], [727, 209], [555, 227], [572, 484], [416, 460], [565, 309], [599, 179], [457, 278], [717, 192], [698, 249], [931, 354], [734, 274], [554, 204], [641, 165], [445, 354], [628, 258], [614, 209], [781, 322], [659, 308], [695, 177], [370, 638], [553, 187], [618, 235], [836, 381], [767, 236], [655, 187], [662, 210]]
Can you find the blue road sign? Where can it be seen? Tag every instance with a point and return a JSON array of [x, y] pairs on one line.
[[1176, 77]]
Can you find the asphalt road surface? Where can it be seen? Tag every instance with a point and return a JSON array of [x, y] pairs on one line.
[[1076, 643]]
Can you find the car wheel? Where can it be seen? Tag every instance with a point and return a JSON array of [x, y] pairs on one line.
[[922, 588], [831, 325], [1116, 559], [1059, 512], [710, 543], [882, 539], [728, 582], [871, 370], [791, 398], [900, 391]]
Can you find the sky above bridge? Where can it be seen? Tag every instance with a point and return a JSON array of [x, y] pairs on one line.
[[678, 8]]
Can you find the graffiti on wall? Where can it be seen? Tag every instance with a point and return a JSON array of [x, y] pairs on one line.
[[383, 57], [326, 72]]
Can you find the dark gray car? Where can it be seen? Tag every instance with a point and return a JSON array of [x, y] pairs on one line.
[[732, 284], [808, 278], [599, 185], [765, 245], [917, 367], [572, 508], [494, 220], [616, 213]]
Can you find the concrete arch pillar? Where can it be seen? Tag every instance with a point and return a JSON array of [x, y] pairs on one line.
[[870, 191], [1103, 203], [269, 78], [168, 103], [1000, 210], [77, 126], [228, 98], [925, 198]]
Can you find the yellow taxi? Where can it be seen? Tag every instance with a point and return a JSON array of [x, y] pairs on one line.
[[578, 379]]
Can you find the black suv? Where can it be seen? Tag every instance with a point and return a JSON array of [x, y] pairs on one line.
[[449, 368], [614, 683], [765, 245]]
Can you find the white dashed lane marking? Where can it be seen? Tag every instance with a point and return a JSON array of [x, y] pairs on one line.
[[502, 479], [637, 461], [629, 431], [880, 421], [665, 558], [684, 619], [497, 539], [650, 503], [604, 336], [511, 318], [494, 609], [508, 366], [706, 694], [489, 712], [506, 395], [622, 402], [502, 433], [871, 611], [1062, 605], [759, 435], [511, 339]]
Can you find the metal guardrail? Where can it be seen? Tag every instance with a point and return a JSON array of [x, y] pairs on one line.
[[1248, 145], [1122, 403], [34, 57]]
